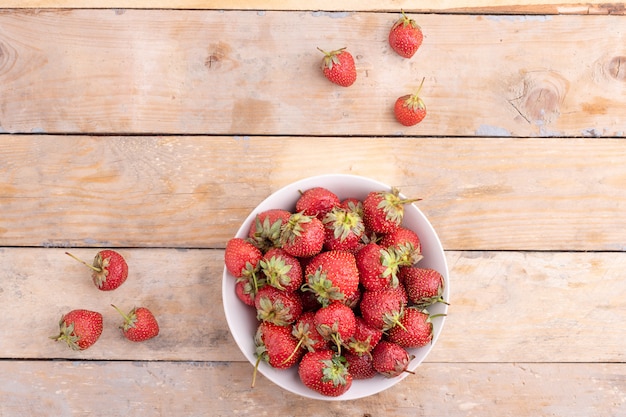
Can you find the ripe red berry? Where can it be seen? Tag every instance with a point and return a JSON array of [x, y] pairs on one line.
[[80, 329], [338, 67], [139, 324], [405, 36], [410, 109]]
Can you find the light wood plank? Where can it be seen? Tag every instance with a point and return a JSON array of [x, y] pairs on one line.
[[249, 72], [505, 306], [448, 6], [482, 193], [222, 389]]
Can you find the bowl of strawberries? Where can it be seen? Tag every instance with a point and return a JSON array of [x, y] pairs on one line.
[[335, 287]]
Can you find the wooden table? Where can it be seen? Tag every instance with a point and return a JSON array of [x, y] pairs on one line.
[[156, 130]]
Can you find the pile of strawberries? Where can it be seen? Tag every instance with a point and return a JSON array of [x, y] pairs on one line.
[[336, 287], [405, 37], [81, 328]]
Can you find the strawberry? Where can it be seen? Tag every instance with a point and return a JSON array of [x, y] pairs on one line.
[[424, 286], [332, 276], [276, 346], [325, 372], [364, 339], [305, 331], [360, 366], [344, 229], [338, 67], [109, 269], [139, 324], [317, 201], [246, 290], [264, 231], [390, 359], [382, 309], [383, 211], [241, 257], [281, 270], [336, 323], [405, 36], [410, 109], [278, 307], [80, 329], [406, 243], [416, 329], [302, 235], [378, 267]]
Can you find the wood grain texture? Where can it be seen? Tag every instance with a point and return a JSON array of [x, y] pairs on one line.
[[223, 389], [251, 72], [447, 6], [194, 192], [505, 306]]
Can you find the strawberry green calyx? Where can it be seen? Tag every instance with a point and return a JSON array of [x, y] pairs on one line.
[[267, 234], [324, 288], [391, 260], [276, 272], [293, 227], [274, 312], [393, 205], [129, 319], [331, 58], [67, 335], [406, 21], [344, 222], [335, 371], [414, 102]]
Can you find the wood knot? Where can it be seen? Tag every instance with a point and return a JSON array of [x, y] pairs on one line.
[[8, 56], [540, 96], [617, 68]]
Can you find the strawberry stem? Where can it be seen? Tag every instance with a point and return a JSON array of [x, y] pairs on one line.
[[84, 263], [256, 367], [126, 318]]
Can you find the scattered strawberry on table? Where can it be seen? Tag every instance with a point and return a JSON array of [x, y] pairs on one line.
[[410, 108], [338, 67], [109, 269], [79, 328], [354, 300], [405, 36], [139, 324]]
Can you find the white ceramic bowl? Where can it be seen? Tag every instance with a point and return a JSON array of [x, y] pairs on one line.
[[242, 320]]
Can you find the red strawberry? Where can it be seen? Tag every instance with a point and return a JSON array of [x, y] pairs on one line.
[[378, 267], [332, 276], [276, 346], [390, 359], [281, 270], [383, 210], [241, 257], [364, 339], [110, 270], [305, 331], [324, 372], [139, 324], [80, 329], [424, 286], [335, 322], [407, 245], [382, 309], [302, 235], [317, 201], [246, 290], [405, 36], [265, 229], [410, 108], [344, 229], [360, 366], [338, 67], [416, 329], [278, 307]]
